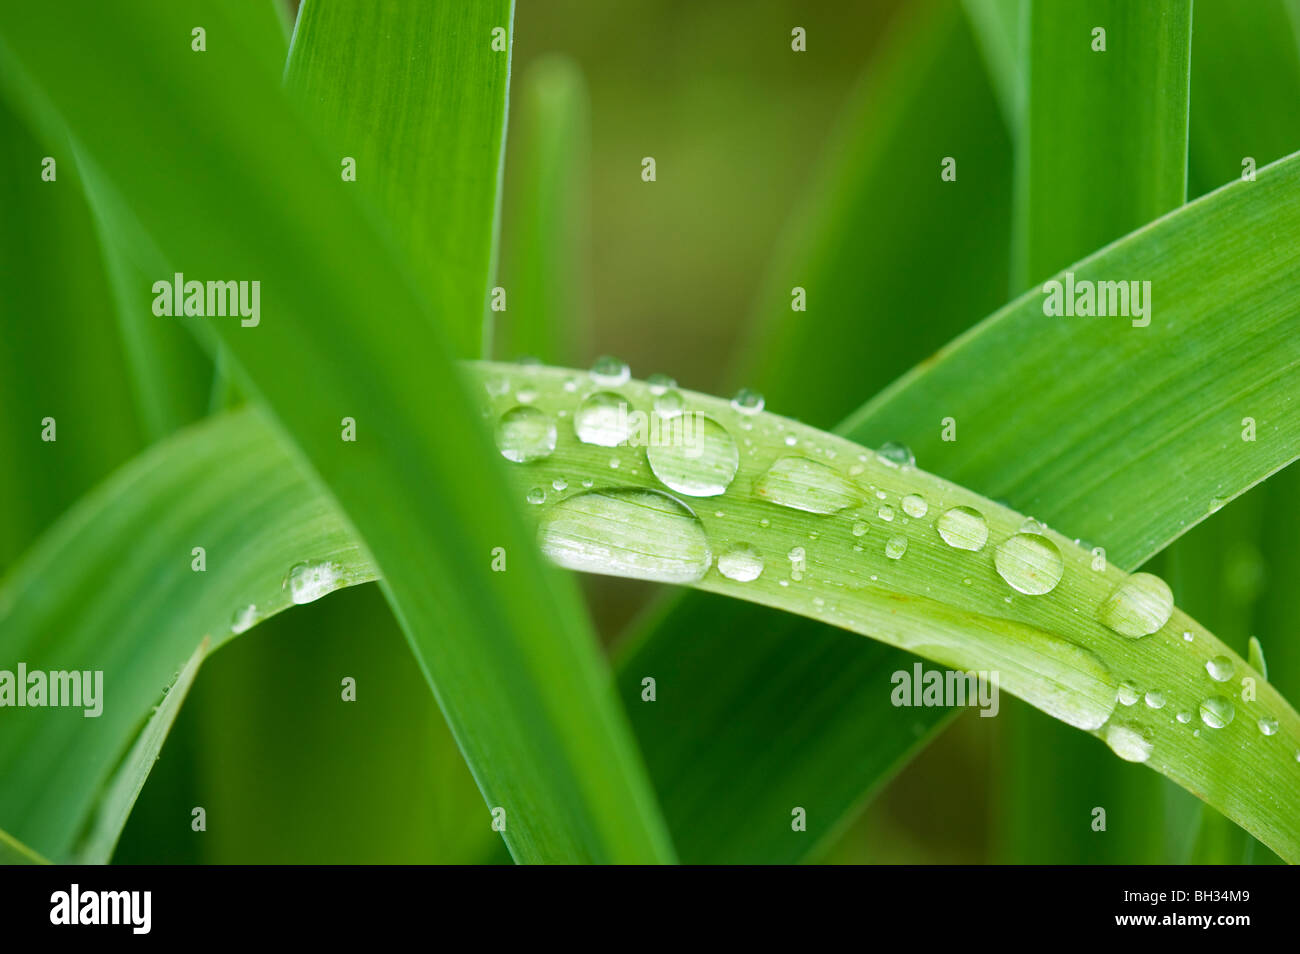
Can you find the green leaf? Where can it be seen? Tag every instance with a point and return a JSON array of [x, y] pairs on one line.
[[547, 183], [1077, 191], [14, 852], [514, 666], [116, 803], [421, 109]]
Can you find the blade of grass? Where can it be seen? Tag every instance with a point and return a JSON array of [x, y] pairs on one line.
[[547, 181], [118, 799], [998, 28], [14, 852], [1084, 192], [514, 665], [389, 104]]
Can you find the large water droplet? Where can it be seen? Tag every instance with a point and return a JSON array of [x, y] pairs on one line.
[[1030, 563], [524, 434], [243, 619], [694, 455], [747, 401], [742, 564], [895, 454], [802, 484], [963, 528], [310, 581], [1217, 712], [603, 419], [1131, 743], [643, 534], [610, 371], [1220, 668], [914, 505], [1138, 606]]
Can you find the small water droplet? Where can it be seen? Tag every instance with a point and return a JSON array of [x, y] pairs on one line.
[[791, 440], [859, 529], [886, 512], [1220, 668], [536, 496], [1030, 563], [1268, 726], [895, 454], [243, 619], [1155, 699], [1217, 712], [525, 434], [659, 383], [1184, 717], [1131, 743], [963, 528], [896, 547], [642, 534], [1216, 504], [1128, 694], [614, 463], [802, 484], [602, 419], [588, 483], [1187, 637], [310, 581], [1137, 606], [559, 483], [669, 404], [914, 505], [696, 456], [526, 395], [610, 372], [747, 401], [742, 564], [570, 384]]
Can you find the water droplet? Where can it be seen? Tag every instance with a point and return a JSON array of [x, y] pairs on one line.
[[1137, 606], [1187, 637], [669, 404], [497, 387], [1030, 563], [1216, 504], [659, 383], [243, 619], [741, 564], [895, 454], [1155, 699], [1268, 726], [310, 581], [588, 483], [859, 529], [963, 528], [791, 440], [559, 483], [524, 434], [536, 496], [1131, 743], [570, 384], [914, 505], [886, 512], [696, 456], [802, 484], [603, 419], [1217, 712], [610, 371], [1220, 668], [643, 534], [1184, 717], [526, 395], [747, 401], [896, 547], [1128, 694]]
